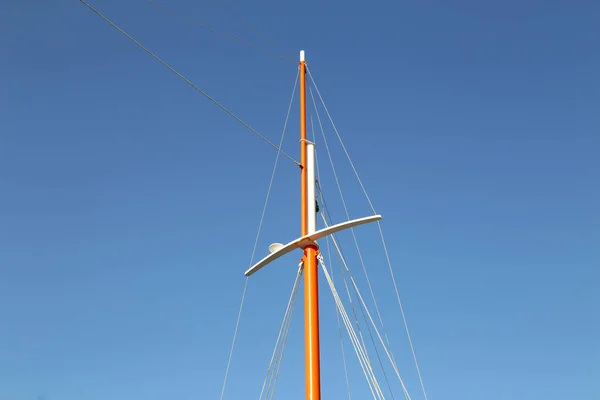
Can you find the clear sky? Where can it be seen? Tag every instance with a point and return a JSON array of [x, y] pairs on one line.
[[129, 203]]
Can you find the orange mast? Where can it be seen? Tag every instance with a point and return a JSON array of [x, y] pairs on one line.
[[308, 243], [311, 284]]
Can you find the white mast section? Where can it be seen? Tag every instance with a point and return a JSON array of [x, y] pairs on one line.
[[310, 192]]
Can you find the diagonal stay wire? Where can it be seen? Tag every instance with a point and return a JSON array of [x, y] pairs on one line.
[[376, 389], [381, 235], [262, 217], [340, 139], [287, 117], [339, 327], [345, 207], [337, 312], [289, 312], [356, 319], [343, 273], [355, 240], [268, 195], [225, 35], [385, 377], [360, 350], [360, 297], [234, 13], [189, 82], [235, 331]]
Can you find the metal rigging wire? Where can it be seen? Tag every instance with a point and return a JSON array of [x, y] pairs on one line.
[[222, 107], [225, 35]]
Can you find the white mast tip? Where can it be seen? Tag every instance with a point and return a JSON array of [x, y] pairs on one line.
[[301, 55]]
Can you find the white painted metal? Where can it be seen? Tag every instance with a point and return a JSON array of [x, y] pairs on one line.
[[306, 240], [301, 55], [274, 247], [310, 192]]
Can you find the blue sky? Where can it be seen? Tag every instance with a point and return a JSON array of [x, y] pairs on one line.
[[130, 203]]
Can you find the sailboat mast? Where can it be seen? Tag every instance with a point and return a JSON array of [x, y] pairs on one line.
[[308, 223]]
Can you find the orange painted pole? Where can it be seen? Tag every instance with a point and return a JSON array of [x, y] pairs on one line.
[[311, 284], [311, 323], [303, 174]]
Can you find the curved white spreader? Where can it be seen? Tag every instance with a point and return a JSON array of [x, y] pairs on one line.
[[279, 250]]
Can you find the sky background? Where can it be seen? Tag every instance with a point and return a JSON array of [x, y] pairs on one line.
[[129, 203]]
